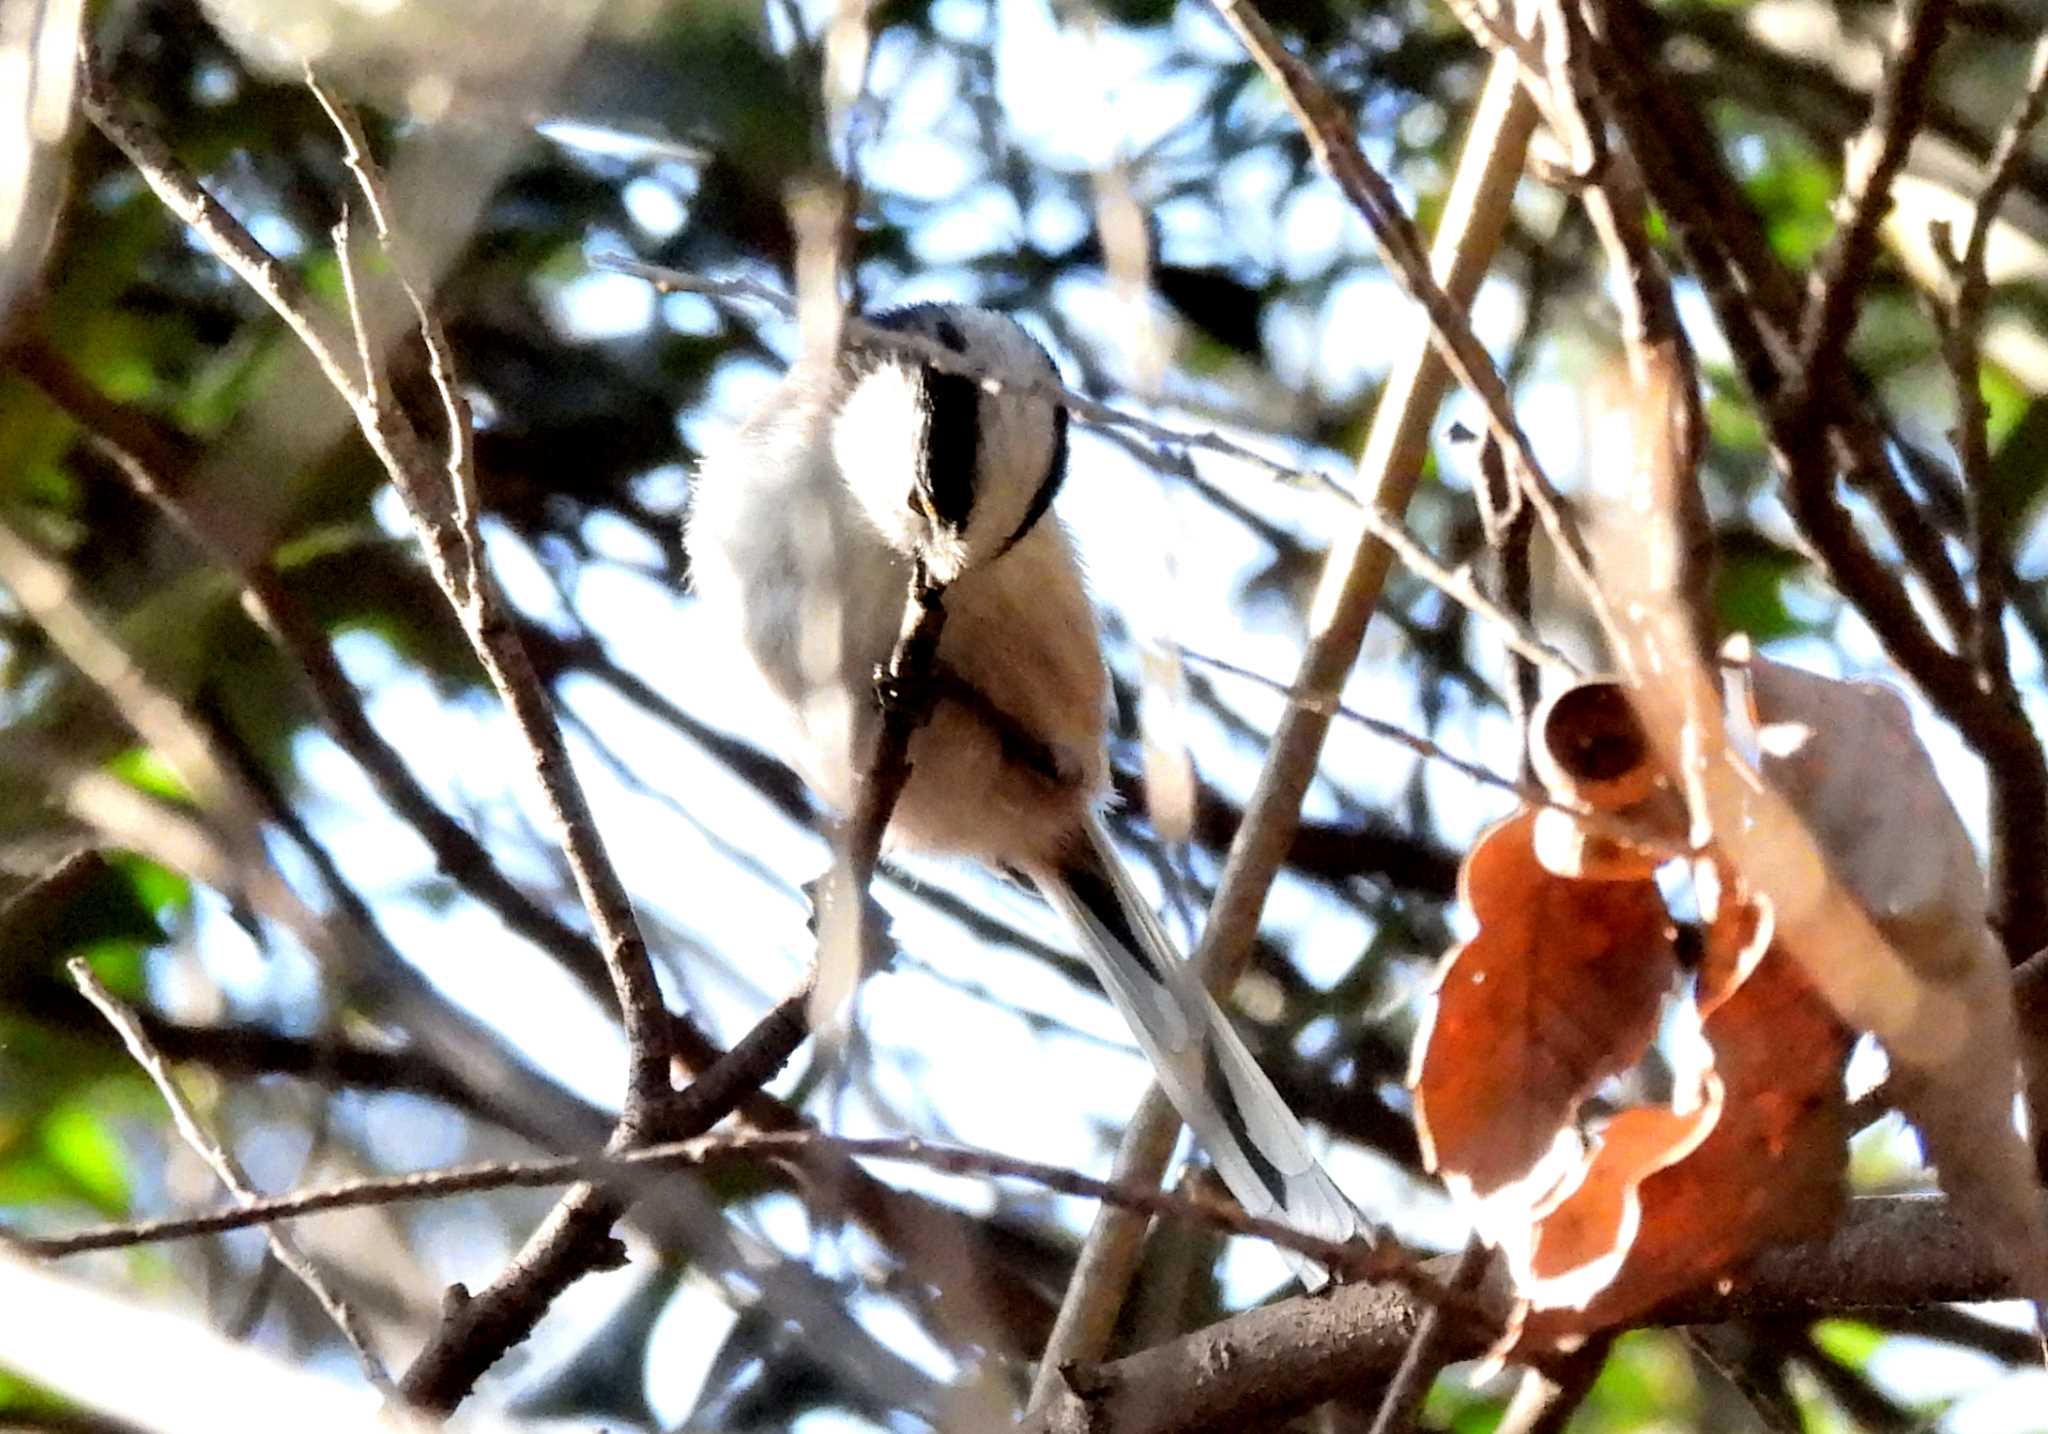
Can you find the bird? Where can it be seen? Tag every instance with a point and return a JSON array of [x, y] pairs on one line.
[[802, 534]]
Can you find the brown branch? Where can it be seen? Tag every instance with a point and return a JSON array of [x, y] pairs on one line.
[[1257, 1368], [443, 509], [906, 692], [442, 500], [575, 1240], [637, 1169], [1427, 1352], [1874, 160], [229, 1171], [1760, 313], [1333, 140], [2016, 875], [1509, 526], [1755, 301], [1962, 344], [351, 948]]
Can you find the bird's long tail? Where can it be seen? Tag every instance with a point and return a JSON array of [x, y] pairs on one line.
[[1249, 1133]]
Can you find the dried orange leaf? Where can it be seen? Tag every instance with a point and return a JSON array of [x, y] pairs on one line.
[[1738, 934], [1772, 1169], [1579, 1245], [1589, 752], [1559, 989], [1586, 746]]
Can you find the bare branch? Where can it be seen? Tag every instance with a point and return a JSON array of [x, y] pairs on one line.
[[1427, 1352], [575, 1239], [444, 510], [152, 461], [1331, 137], [1759, 312], [229, 1170], [639, 1167], [1082, 407], [1256, 1368], [1874, 160]]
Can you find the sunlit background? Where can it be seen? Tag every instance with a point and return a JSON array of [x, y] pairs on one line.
[[525, 148]]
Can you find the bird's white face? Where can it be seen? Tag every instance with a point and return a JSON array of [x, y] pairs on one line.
[[939, 462]]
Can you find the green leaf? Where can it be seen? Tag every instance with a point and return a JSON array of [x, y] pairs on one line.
[[142, 768], [157, 887], [119, 965], [78, 1145], [2019, 465], [1847, 1341], [1749, 587]]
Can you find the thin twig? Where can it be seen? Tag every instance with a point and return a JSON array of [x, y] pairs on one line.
[[1874, 160], [444, 510], [442, 500], [1415, 742], [1962, 333], [1385, 1262], [2015, 870], [477, 1330], [229, 1171], [1509, 526], [1525, 790], [48, 595], [1428, 1352], [1327, 127], [1083, 408]]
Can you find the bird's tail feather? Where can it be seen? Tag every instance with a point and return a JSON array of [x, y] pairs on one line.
[[1249, 1133]]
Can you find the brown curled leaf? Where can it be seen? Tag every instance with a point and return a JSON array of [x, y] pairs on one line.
[[1587, 748], [1590, 754], [1581, 1241], [1738, 935], [1558, 989], [1772, 1169]]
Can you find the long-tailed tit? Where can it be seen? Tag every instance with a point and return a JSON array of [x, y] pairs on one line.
[[801, 535]]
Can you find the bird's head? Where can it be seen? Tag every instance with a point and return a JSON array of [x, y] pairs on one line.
[[954, 468]]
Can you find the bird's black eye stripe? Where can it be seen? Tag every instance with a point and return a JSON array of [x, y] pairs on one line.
[[1048, 486], [951, 444]]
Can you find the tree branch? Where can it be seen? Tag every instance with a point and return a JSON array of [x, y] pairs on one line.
[[1262, 1366], [229, 1171]]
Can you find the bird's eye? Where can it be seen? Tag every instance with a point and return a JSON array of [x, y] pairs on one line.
[[950, 335]]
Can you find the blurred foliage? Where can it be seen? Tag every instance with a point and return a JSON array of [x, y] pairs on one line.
[[672, 134]]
